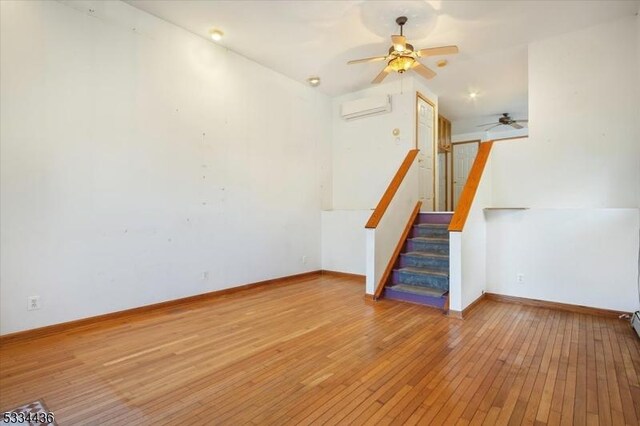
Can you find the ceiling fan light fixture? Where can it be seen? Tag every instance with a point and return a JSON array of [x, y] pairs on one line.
[[401, 64], [402, 57]]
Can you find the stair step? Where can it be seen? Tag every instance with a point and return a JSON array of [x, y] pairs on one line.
[[424, 271], [438, 240], [421, 277], [421, 295], [432, 230], [426, 244], [435, 217], [420, 259], [424, 291]]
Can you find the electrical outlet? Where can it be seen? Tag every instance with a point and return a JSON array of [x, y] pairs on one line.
[[520, 278], [304, 259], [33, 303], [205, 275]]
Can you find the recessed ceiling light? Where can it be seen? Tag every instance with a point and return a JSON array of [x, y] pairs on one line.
[[216, 35], [314, 81], [473, 95], [442, 63]]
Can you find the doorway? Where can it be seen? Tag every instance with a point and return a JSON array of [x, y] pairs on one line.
[[463, 155], [425, 142]]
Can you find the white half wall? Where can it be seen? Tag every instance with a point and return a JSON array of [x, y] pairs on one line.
[[344, 240], [468, 249], [579, 256], [382, 240], [139, 166]]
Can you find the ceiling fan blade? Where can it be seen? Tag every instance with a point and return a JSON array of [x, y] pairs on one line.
[[487, 124], [399, 43], [489, 128], [426, 72], [516, 126], [521, 121], [365, 60], [382, 75], [435, 51]]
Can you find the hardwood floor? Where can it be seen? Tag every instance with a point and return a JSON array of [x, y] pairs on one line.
[[313, 351]]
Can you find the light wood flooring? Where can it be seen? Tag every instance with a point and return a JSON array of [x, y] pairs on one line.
[[313, 351]]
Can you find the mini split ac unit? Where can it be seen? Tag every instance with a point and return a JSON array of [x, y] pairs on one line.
[[366, 107]]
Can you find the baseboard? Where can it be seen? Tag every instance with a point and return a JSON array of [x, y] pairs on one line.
[[579, 309], [454, 314], [462, 314], [342, 275], [84, 322], [473, 304]]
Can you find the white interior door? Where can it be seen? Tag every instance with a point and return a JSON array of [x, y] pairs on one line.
[[426, 159], [463, 156]]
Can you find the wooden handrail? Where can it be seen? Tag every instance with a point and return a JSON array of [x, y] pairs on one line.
[[396, 252], [470, 188], [377, 214]]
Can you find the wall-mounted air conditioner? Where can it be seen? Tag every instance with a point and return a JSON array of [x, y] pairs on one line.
[[366, 107]]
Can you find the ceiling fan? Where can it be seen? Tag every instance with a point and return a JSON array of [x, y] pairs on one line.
[[402, 57], [505, 120]]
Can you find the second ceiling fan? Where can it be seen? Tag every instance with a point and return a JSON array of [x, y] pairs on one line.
[[505, 120], [402, 57]]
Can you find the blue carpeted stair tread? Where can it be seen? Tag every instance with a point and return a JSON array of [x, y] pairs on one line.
[[430, 240], [425, 254], [432, 225], [423, 291], [423, 271]]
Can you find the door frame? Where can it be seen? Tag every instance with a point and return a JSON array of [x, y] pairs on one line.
[[434, 127], [446, 179], [453, 163]]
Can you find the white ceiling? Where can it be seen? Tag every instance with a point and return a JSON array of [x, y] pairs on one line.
[[305, 38]]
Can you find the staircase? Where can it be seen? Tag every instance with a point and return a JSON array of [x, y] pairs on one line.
[[421, 273]]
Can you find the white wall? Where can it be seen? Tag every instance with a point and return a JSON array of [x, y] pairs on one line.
[[344, 241], [579, 256], [579, 173], [133, 161], [584, 144], [366, 154]]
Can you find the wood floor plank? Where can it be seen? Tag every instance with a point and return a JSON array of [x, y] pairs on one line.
[[312, 351], [570, 388]]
